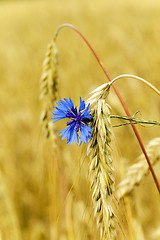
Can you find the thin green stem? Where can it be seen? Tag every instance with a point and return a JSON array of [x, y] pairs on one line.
[[134, 121], [118, 95]]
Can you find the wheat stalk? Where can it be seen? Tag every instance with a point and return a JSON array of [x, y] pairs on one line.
[[137, 171], [48, 86], [100, 167]]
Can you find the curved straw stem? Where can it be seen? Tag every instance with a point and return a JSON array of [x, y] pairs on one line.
[[118, 95], [86, 41], [138, 78]]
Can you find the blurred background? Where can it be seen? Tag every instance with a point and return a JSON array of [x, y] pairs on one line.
[[44, 193]]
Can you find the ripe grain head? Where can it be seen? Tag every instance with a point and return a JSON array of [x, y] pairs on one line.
[[49, 90], [136, 172], [101, 172]]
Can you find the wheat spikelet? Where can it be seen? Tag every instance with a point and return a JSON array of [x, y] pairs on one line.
[[136, 172], [48, 85], [100, 92], [101, 170]]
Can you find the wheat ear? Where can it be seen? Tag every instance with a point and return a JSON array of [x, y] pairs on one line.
[[48, 86], [100, 167], [136, 172]]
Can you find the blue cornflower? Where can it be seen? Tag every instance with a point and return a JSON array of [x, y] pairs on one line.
[[77, 128]]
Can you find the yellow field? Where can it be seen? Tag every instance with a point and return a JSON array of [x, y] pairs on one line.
[[44, 193]]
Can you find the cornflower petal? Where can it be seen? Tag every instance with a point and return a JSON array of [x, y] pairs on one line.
[[65, 132], [57, 119], [77, 129], [82, 105], [85, 134], [73, 137], [61, 105], [69, 102], [86, 113], [59, 112]]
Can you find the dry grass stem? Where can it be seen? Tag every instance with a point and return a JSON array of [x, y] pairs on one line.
[[138, 78], [137, 171], [48, 85], [101, 170]]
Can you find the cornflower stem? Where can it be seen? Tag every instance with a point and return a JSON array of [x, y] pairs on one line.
[[118, 95]]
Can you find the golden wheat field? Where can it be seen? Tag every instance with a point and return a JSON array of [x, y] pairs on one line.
[[50, 190]]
